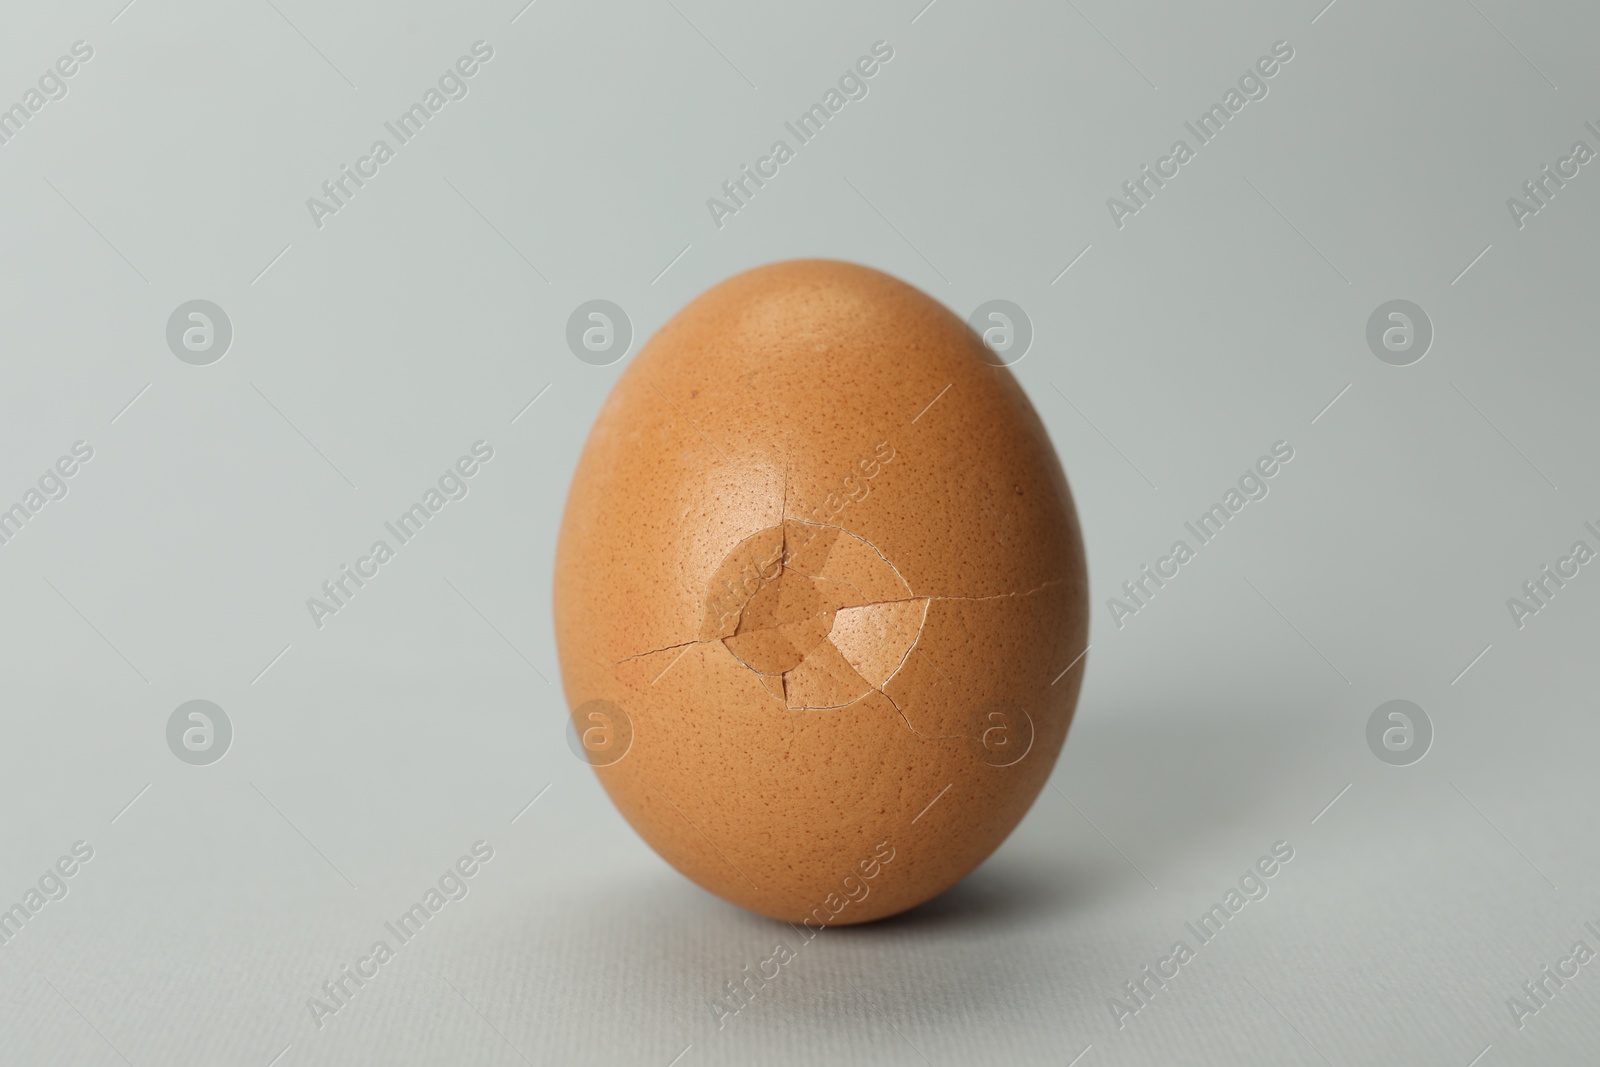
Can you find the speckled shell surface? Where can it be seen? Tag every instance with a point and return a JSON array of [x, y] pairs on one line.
[[820, 569]]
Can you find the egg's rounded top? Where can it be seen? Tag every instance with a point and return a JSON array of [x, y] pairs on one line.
[[763, 395]]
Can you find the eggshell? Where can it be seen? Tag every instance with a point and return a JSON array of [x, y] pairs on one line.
[[821, 557]]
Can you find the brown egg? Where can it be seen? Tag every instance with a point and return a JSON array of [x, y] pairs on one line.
[[820, 595]]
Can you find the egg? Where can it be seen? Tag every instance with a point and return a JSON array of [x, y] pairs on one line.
[[820, 595]]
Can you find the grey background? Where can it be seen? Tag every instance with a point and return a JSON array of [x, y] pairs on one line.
[[368, 355]]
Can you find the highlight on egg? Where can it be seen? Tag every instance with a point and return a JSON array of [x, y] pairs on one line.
[[820, 595]]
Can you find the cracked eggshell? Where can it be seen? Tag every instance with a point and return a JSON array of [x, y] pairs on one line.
[[822, 556]]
